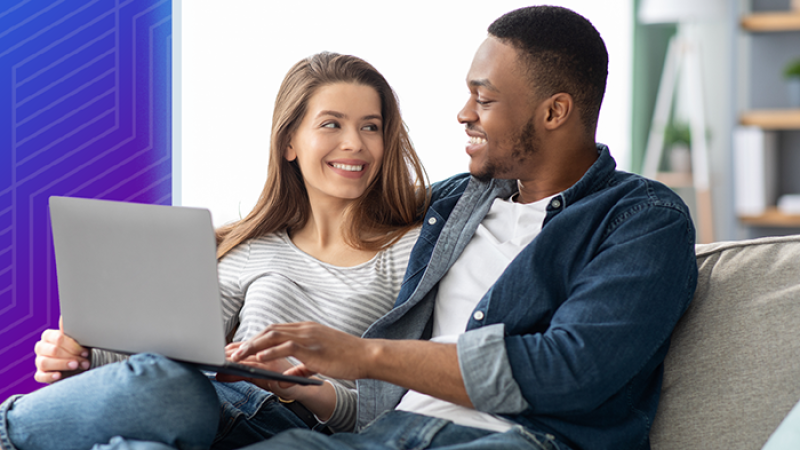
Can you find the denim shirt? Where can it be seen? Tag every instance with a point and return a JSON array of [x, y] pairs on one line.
[[571, 338]]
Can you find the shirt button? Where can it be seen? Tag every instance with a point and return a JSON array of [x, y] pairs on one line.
[[478, 315], [556, 203], [432, 221]]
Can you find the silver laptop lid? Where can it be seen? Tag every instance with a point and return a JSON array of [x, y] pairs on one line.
[[138, 278]]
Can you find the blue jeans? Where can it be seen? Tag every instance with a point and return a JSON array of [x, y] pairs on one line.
[[148, 398], [249, 414], [401, 430], [394, 430]]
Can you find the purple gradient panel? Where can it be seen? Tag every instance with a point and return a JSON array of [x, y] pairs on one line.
[[85, 111]]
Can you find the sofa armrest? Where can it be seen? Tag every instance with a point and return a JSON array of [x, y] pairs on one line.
[[733, 369]]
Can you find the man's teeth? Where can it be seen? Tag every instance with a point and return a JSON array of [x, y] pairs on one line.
[[347, 167], [474, 140]]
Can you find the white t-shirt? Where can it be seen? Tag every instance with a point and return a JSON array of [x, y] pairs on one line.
[[507, 228]]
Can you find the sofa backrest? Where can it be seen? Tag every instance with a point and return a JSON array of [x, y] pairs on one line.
[[733, 369]]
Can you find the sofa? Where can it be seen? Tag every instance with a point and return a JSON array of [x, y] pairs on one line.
[[733, 369]]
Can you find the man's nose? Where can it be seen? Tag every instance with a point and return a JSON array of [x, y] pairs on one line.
[[467, 113]]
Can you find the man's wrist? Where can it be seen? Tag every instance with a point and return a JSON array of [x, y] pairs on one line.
[[374, 355]]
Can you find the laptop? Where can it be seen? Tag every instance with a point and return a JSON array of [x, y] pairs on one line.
[[135, 278]]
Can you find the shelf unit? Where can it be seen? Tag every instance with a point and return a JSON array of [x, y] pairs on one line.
[[767, 25], [772, 217], [775, 119], [771, 22]]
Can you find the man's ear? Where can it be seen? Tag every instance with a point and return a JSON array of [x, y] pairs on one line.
[[290, 154], [560, 107]]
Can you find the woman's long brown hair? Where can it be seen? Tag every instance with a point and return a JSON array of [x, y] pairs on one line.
[[393, 203]]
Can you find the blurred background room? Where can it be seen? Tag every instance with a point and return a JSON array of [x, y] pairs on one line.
[[170, 102]]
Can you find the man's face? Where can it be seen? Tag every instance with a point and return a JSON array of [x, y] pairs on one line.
[[499, 114]]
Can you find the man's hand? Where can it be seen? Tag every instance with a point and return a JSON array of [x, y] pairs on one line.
[[286, 391], [339, 355], [59, 356], [321, 400], [320, 349]]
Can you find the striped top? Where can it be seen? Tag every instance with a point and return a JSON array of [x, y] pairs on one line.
[[269, 280]]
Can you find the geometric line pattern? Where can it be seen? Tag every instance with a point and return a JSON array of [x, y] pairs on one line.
[[85, 111]]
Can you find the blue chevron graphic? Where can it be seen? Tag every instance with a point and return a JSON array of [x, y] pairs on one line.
[[85, 111]]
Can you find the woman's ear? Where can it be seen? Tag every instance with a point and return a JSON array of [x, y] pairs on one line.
[[560, 108], [290, 155]]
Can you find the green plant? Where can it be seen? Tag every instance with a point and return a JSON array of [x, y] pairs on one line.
[[677, 133], [792, 69]]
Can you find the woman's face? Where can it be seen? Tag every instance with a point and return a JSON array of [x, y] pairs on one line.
[[339, 143]]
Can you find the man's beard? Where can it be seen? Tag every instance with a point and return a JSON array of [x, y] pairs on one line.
[[523, 145]]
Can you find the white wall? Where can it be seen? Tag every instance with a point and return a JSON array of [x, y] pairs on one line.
[[234, 54]]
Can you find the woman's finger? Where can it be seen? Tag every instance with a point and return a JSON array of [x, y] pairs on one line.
[[61, 340], [49, 364], [48, 354], [47, 377]]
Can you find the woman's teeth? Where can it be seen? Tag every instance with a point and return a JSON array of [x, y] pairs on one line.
[[347, 167], [474, 140]]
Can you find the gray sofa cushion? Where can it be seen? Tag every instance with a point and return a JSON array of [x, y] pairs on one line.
[[733, 369]]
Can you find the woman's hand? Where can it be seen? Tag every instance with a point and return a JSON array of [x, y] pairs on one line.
[[321, 400], [59, 356], [286, 391]]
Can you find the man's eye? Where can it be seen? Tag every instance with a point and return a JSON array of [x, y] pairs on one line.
[[482, 103]]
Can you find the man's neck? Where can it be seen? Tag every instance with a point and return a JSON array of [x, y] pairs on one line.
[[556, 177]]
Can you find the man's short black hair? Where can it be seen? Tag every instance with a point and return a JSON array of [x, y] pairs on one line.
[[563, 52]]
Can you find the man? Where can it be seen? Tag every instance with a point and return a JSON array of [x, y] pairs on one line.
[[539, 301]]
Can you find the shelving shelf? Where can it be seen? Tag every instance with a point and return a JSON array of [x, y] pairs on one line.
[[773, 21], [777, 37], [772, 217], [675, 179], [772, 119]]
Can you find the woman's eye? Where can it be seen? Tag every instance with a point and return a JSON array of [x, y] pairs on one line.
[[371, 127], [330, 125], [481, 102]]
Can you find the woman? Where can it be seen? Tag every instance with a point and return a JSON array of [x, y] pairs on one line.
[[328, 241]]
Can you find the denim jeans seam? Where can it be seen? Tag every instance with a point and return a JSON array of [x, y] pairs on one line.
[[5, 439], [268, 398], [250, 393], [375, 420], [533, 437], [229, 424]]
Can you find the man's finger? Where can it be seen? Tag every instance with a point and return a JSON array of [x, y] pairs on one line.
[[276, 334], [282, 350], [266, 339], [231, 348]]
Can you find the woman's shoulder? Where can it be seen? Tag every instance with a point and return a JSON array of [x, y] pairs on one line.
[[254, 248], [269, 243], [404, 245]]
